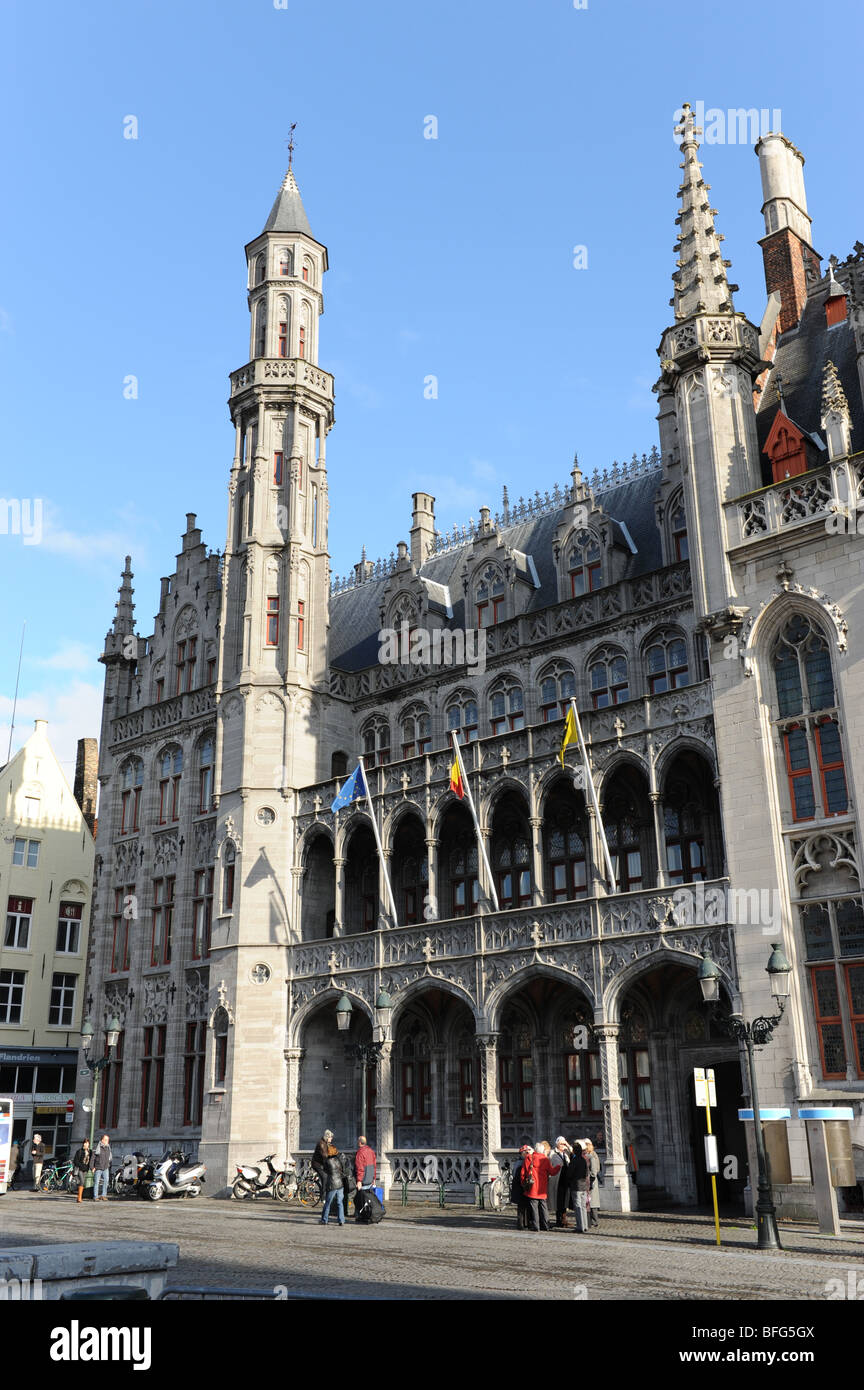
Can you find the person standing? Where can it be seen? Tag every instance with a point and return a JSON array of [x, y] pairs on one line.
[[336, 1170], [577, 1185], [81, 1165], [536, 1169], [365, 1163], [592, 1158], [562, 1153], [319, 1157], [37, 1153], [14, 1160], [517, 1191], [102, 1169]]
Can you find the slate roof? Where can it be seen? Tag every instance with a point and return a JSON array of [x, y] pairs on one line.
[[287, 213], [802, 353], [355, 613]]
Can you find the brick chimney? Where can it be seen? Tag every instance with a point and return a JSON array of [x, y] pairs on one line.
[[422, 528], [791, 264], [86, 768]]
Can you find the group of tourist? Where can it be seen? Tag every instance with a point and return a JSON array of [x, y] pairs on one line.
[[565, 1180], [341, 1176]]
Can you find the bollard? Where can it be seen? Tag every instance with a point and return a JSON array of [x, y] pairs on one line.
[[478, 1196], [404, 1192], [442, 1192]]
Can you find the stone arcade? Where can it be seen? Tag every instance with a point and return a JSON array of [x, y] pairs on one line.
[[708, 623]]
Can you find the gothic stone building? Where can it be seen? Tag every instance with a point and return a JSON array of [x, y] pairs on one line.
[[703, 605]]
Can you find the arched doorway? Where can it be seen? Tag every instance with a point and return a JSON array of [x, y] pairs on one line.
[[436, 1075], [666, 1031], [318, 890], [361, 882], [330, 1081]]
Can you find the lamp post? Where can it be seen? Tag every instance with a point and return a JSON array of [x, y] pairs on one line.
[[366, 1054], [112, 1033], [756, 1034]]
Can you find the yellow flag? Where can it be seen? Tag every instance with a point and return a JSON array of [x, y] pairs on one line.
[[570, 734]]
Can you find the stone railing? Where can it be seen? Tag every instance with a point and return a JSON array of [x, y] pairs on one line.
[[164, 715], [823, 492], [270, 370], [433, 1166], [574, 615]]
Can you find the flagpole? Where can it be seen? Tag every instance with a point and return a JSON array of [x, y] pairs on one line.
[[590, 780], [378, 843], [480, 847]]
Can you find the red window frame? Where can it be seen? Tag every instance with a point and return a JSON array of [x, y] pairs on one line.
[[228, 888], [285, 263], [193, 1072], [283, 340], [679, 535], [495, 605], [121, 929], [794, 775], [836, 765], [416, 1089], [169, 800], [211, 670], [160, 690], [20, 909], [301, 624], [827, 1020], [306, 273], [163, 916], [579, 572], [202, 914], [302, 352], [856, 1018], [109, 1104], [152, 1076], [277, 467], [272, 622]]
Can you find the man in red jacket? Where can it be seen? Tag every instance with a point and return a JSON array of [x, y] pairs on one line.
[[535, 1185], [364, 1163]]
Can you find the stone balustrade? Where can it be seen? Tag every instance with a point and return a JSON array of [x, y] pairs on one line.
[[817, 495]]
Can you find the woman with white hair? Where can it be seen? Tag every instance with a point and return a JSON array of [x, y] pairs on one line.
[[592, 1158]]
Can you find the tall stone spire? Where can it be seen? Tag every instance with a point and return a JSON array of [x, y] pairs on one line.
[[835, 417], [287, 213], [700, 280], [124, 620]]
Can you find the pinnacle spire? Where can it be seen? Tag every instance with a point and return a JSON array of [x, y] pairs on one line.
[[287, 213], [124, 620], [700, 280]]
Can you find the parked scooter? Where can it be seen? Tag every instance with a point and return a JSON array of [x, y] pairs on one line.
[[172, 1176], [125, 1181], [279, 1179]]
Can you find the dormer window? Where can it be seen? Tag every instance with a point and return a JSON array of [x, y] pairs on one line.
[[376, 742], [557, 688], [185, 671], [607, 677], [584, 564], [416, 733], [489, 596]]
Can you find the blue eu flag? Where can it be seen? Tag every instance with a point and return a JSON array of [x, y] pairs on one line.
[[353, 790]]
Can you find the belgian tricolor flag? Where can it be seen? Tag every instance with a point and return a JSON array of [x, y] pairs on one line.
[[457, 786]]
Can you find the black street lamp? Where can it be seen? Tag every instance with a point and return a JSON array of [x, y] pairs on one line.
[[756, 1034], [366, 1053], [112, 1033]]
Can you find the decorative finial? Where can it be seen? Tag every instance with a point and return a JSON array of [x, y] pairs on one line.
[[778, 382], [290, 143]]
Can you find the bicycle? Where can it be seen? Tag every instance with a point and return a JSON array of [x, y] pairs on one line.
[[309, 1190], [496, 1193], [57, 1177]]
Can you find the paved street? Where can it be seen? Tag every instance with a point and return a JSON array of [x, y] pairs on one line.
[[426, 1253]]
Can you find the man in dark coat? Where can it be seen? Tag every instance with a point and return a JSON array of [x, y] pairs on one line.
[[578, 1180], [337, 1168], [37, 1153]]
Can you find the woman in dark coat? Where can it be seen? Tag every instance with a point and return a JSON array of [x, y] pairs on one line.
[[81, 1165], [337, 1168], [578, 1179]]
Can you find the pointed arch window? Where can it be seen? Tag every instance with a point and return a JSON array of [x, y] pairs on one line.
[[557, 688], [566, 844], [685, 839], [271, 630], [229, 864], [205, 775], [608, 679], [284, 261], [489, 596], [416, 1075], [506, 707], [511, 861], [261, 328], [666, 664], [462, 716], [170, 773], [623, 835], [130, 797], [184, 673], [260, 269], [464, 883], [678, 529], [808, 723], [376, 742], [314, 513], [416, 732], [283, 338], [302, 352], [584, 564]]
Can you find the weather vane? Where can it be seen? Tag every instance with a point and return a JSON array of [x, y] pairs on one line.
[[290, 143]]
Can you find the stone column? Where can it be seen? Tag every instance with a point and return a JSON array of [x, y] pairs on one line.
[[616, 1189], [542, 1108], [538, 884], [385, 911], [659, 838], [438, 1098], [384, 1112], [485, 886], [597, 886], [490, 1105], [432, 906], [339, 898], [293, 1057]]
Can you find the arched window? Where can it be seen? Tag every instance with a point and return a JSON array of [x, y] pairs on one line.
[[338, 764], [565, 834], [584, 564], [130, 797], [808, 724], [261, 328], [515, 1070], [260, 269], [416, 732], [666, 663], [489, 597], [557, 688], [375, 737], [506, 706], [607, 678], [220, 1034], [678, 532], [205, 775], [308, 270], [462, 716], [464, 884], [314, 513], [415, 1075], [511, 860], [170, 772], [626, 819], [284, 261], [229, 861], [283, 319], [685, 838]]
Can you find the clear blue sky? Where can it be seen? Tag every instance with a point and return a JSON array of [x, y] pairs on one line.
[[450, 257]]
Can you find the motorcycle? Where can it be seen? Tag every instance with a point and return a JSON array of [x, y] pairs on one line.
[[278, 1179], [172, 1176], [125, 1183]]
